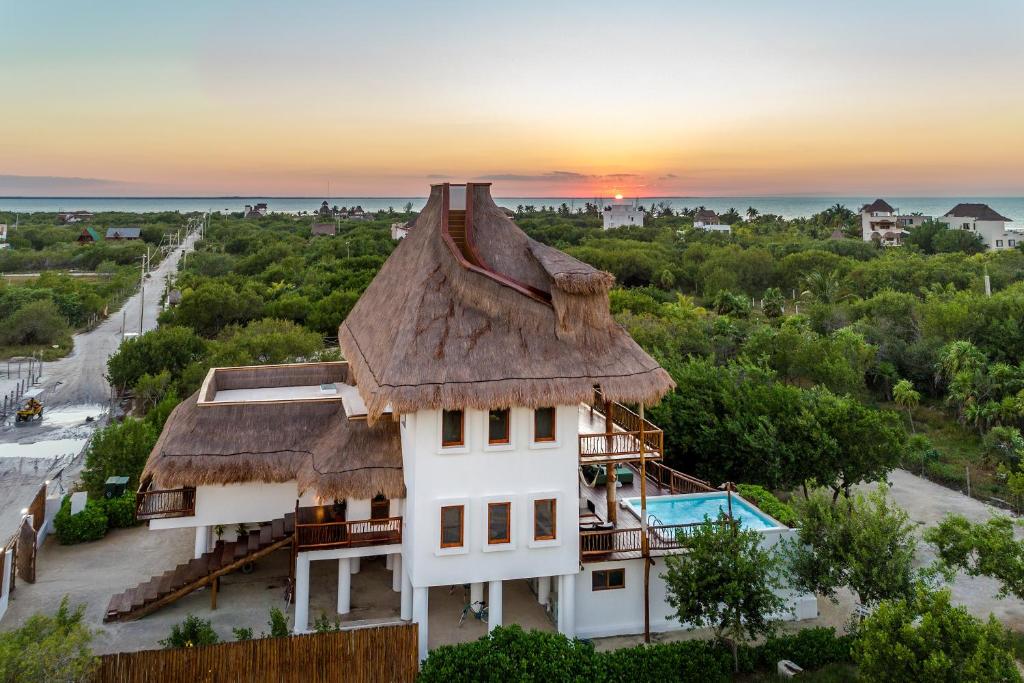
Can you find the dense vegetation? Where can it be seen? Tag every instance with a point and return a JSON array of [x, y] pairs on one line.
[[41, 312]]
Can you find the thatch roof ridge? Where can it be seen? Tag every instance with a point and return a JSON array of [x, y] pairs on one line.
[[430, 332]]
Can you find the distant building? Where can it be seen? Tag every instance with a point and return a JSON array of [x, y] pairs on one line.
[[256, 211], [88, 235], [401, 230], [124, 233], [986, 223], [73, 216], [619, 214], [325, 210], [881, 223], [706, 219], [3, 232], [324, 229]]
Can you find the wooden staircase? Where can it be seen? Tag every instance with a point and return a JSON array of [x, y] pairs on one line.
[[457, 230], [176, 583]]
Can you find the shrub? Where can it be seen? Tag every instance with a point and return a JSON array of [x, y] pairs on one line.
[[48, 648], [89, 524], [766, 500], [119, 449], [278, 623], [811, 648], [190, 633], [38, 322], [689, 660], [945, 473], [121, 511], [242, 633]]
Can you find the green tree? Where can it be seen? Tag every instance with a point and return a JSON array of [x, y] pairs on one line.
[[773, 303], [38, 322], [192, 632], [167, 348], [986, 549], [48, 648], [212, 306], [119, 449], [725, 580], [908, 398], [861, 542], [824, 288], [924, 638]]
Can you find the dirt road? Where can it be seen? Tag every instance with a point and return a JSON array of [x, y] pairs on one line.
[[76, 396]]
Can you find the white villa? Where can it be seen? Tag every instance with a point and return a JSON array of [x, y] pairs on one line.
[[619, 213], [475, 435], [881, 223], [708, 220], [985, 222]]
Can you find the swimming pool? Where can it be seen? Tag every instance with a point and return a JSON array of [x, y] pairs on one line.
[[692, 508]]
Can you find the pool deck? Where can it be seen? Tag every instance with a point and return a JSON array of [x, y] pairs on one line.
[[599, 497]]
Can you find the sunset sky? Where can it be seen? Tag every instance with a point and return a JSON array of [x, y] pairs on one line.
[[736, 97]]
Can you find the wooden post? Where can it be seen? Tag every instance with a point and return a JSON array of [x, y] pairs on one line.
[[213, 593], [646, 550], [611, 475]]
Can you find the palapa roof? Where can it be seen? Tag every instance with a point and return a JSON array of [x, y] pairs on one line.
[[310, 441], [329, 229], [879, 205], [979, 212], [504, 321]]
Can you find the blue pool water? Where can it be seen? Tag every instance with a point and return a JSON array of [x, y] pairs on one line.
[[691, 509]]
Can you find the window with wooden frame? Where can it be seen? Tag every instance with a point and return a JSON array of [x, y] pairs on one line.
[[544, 424], [453, 518], [380, 507], [608, 579], [499, 523], [453, 424], [544, 525], [498, 427]]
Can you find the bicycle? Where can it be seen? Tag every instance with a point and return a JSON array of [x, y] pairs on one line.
[[480, 613]]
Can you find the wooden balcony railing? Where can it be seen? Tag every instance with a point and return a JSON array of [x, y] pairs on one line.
[[353, 534], [660, 537], [163, 504], [622, 444], [677, 482]]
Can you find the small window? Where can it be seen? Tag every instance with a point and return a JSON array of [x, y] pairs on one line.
[[999, 243], [608, 579], [452, 423], [380, 507], [544, 424], [1013, 243], [499, 523], [544, 519], [498, 426], [452, 524]]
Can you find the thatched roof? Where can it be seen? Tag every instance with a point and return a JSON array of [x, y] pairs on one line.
[[507, 321], [879, 205], [309, 441], [979, 212]]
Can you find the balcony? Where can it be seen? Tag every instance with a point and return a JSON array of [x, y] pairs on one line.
[[321, 528], [609, 432], [165, 503]]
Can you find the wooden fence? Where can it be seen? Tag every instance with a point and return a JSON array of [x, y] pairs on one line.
[[384, 653]]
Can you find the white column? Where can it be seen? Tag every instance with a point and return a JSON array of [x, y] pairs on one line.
[[476, 592], [355, 565], [567, 605], [419, 616], [406, 611], [543, 589], [388, 561], [396, 572], [202, 539], [344, 586], [494, 604], [301, 593]]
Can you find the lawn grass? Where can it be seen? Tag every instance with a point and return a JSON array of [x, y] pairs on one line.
[[834, 673], [49, 353]]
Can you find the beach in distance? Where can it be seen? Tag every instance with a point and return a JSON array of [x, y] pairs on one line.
[[785, 206]]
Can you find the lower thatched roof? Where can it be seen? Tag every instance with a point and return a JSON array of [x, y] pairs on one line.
[[313, 443]]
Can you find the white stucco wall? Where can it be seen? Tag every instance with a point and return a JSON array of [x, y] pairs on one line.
[[621, 611], [618, 215], [993, 233], [239, 503], [477, 474]]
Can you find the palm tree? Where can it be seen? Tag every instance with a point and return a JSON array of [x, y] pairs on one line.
[[773, 302], [752, 213], [825, 288], [907, 398], [957, 357]]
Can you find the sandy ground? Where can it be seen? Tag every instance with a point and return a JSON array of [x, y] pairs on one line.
[[76, 396]]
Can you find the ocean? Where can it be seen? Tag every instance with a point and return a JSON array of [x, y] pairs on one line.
[[786, 206]]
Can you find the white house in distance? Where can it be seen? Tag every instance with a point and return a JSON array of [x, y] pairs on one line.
[[620, 213], [708, 220], [473, 436], [401, 230], [985, 222]]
